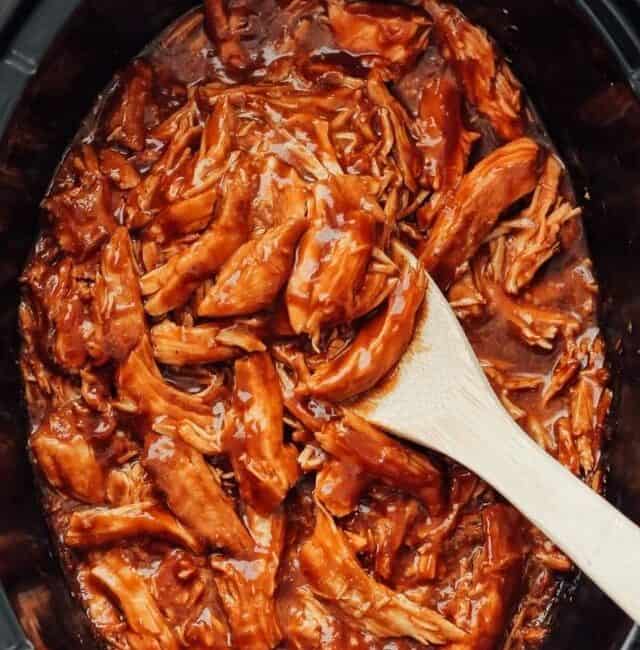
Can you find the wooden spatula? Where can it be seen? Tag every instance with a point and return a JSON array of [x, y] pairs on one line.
[[439, 397]]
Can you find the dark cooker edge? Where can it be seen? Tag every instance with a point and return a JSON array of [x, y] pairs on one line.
[[35, 24]]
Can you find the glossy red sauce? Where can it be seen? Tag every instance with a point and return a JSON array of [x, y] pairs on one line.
[[234, 249]]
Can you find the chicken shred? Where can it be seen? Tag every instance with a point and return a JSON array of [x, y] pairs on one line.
[[143, 390], [398, 37], [354, 440], [69, 464], [194, 493], [444, 141], [334, 575], [265, 467], [495, 183], [379, 344], [339, 486], [180, 345], [247, 587], [149, 629], [252, 277], [173, 283], [117, 296], [102, 526], [82, 217], [487, 80]]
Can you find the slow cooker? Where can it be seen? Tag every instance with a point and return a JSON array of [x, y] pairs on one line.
[[580, 62]]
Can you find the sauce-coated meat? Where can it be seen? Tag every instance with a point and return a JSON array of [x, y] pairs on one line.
[[235, 248]]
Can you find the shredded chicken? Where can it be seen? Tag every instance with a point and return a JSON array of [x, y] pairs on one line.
[[235, 246], [379, 344], [443, 140], [534, 236], [332, 257], [82, 217], [340, 485], [116, 167], [103, 526], [67, 458], [404, 149], [126, 124], [335, 575], [188, 597], [149, 629], [129, 484], [59, 294], [173, 283], [383, 530], [537, 326], [117, 296], [397, 36], [354, 440], [225, 31], [495, 183], [487, 80], [265, 467], [194, 493], [247, 587], [143, 390], [252, 277], [180, 345], [310, 623]]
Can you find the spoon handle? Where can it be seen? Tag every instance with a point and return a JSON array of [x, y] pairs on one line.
[[596, 536], [440, 398]]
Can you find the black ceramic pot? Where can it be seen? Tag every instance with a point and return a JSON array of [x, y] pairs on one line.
[[580, 62]]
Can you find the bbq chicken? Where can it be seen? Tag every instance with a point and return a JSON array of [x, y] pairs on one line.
[[236, 247]]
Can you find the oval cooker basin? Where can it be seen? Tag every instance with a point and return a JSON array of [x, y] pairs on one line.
[[579, 62]]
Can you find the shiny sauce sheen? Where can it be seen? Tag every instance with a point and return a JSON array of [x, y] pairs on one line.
[[234, 249]]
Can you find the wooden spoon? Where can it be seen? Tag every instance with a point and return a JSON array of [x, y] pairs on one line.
[[439, 397]]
